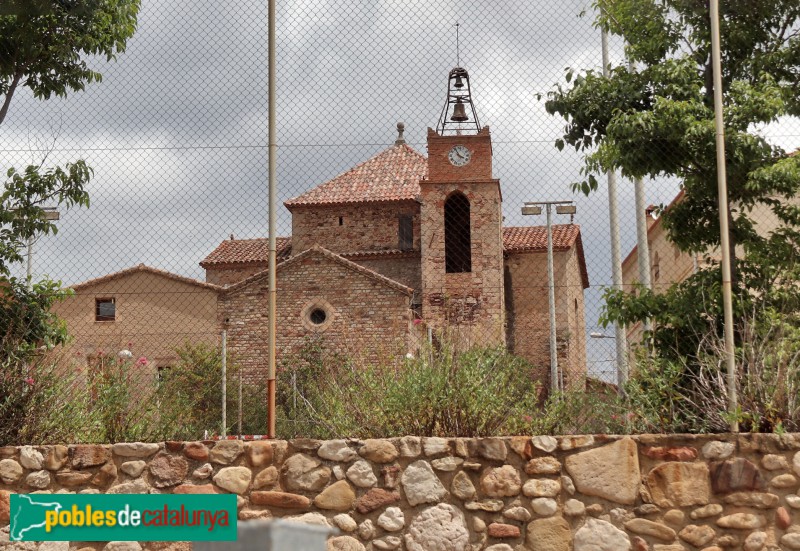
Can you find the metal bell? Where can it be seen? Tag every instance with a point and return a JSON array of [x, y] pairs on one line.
[[459, 113], [459, 83]]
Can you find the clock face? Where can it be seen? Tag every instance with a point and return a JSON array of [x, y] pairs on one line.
[[459, 155]]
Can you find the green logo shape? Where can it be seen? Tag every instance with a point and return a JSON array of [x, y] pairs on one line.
[[123, 517]]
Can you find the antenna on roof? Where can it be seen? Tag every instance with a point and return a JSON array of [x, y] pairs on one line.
[[458, 53]]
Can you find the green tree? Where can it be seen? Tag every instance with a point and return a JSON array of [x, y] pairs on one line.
[[653, 117], [44, 44]]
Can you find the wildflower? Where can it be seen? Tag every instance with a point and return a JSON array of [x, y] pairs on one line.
[[527, 418], [30, 381], [142, 361], [417, 321]]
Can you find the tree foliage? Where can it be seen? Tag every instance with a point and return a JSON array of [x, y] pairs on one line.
[[44, 44], [23, 196], [654, 117]]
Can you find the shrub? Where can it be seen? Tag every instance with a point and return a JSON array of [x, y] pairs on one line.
[[442, 392]]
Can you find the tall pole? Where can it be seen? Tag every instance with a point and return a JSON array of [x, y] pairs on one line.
[[722, 193], [272, 290], [621, 339], [642, 245], [239, 424], [224, 430], [552, 304]]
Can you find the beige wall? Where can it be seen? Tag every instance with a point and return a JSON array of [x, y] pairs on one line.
[[668, 265], [154, 315], [528, 312]]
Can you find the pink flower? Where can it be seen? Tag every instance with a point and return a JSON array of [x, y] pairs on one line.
[[30, 381], [141, 361], [528, 418], [417, 321]]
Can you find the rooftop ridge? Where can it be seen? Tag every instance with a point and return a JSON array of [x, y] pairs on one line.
[[391, 175]]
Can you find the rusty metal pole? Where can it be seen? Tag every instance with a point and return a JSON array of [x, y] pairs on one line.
[[272, 226], [224, 427]]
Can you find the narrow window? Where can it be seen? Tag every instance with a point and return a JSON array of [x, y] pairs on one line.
[[457, 241], [406, 233], [105, 309], [341, 220]]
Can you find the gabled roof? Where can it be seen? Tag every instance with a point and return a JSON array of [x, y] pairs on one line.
[[392, 175], [141, 268], [525, 239], [517, 239], [317, 250], [246, 251]]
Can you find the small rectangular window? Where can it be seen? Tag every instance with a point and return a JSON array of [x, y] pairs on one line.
[[341, 220], [406, 233], [105, 309]]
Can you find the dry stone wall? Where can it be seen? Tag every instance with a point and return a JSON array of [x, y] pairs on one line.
[[541, 493]]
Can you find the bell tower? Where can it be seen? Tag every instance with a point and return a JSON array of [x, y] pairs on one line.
[[461, 224]]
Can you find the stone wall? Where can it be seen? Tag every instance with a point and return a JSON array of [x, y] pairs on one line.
[[580, 493]]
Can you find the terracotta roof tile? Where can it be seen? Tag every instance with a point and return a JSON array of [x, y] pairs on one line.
[[146, 269], [392, 175], [246, 251], [534, 238]]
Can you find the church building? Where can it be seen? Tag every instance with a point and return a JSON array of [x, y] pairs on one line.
[[405, 248]]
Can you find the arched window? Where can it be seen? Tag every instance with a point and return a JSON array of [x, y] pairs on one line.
[[457, 241]]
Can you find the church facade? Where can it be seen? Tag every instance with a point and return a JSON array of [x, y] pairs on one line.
[[403, 248]]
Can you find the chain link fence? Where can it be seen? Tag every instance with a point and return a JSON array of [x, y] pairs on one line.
[[375, 265]]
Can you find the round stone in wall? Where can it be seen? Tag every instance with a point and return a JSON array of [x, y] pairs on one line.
[[438, 528]]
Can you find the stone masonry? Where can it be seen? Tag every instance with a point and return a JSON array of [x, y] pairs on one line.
[[541, 493]]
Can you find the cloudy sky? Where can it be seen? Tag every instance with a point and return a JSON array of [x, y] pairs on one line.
[[177, 130]]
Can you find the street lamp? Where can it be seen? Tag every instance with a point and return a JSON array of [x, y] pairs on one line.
[[535, 208], [50, 213]]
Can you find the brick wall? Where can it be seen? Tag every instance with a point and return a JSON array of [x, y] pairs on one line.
[[364, 227], [366, 319], [529, 317], [404, 269], [228, 274]]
